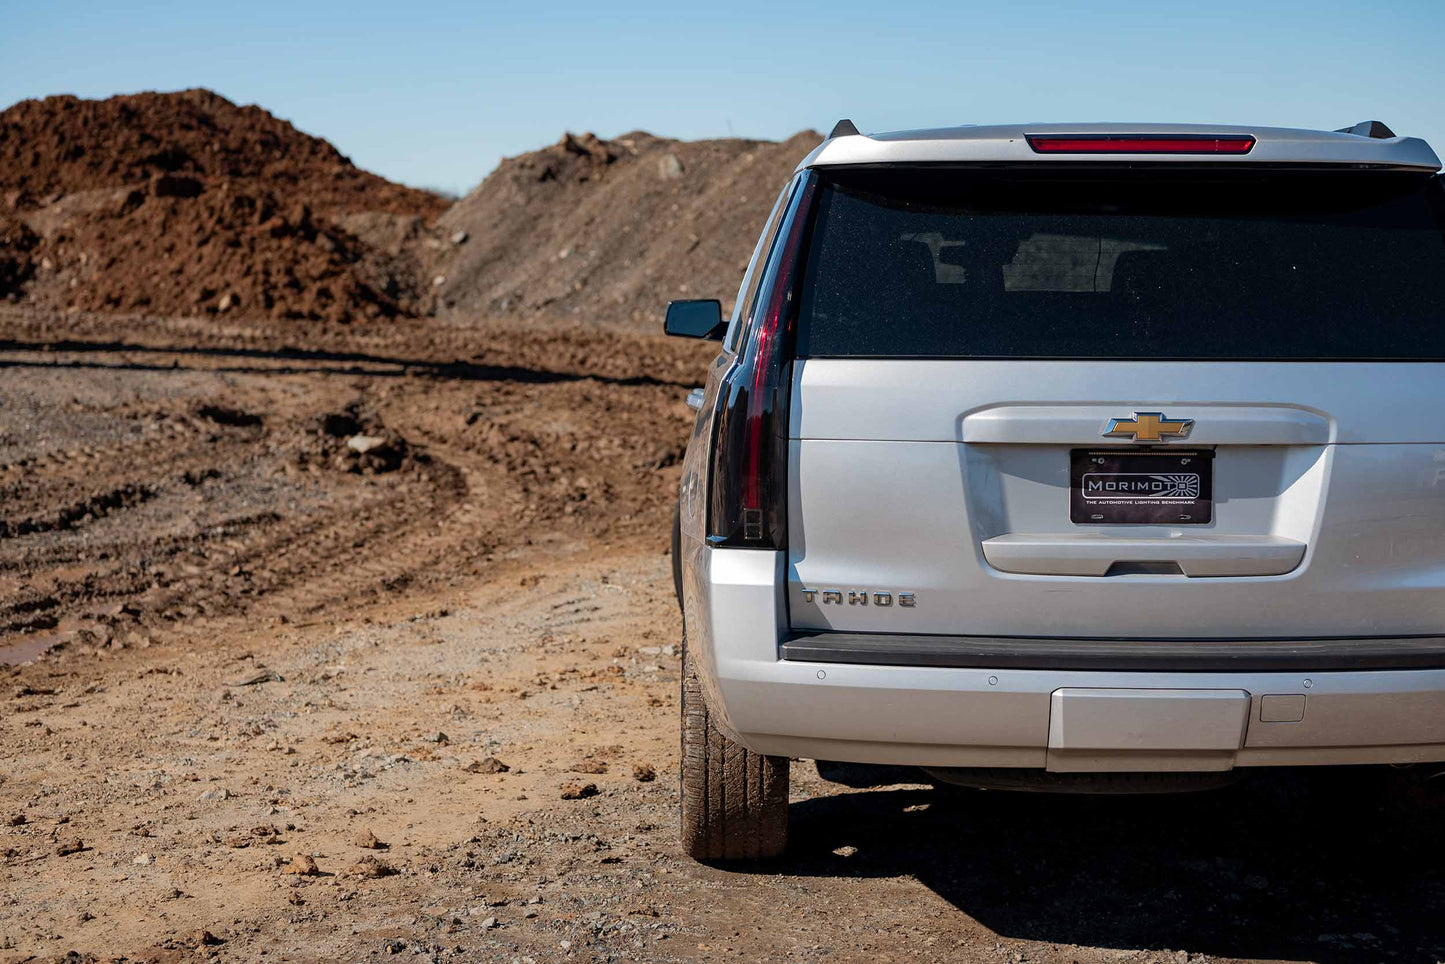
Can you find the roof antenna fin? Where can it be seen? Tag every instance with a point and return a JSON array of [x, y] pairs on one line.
[[843, 128], [1370, 128]]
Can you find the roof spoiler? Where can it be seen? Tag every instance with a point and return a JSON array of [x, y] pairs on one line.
[[1369, 128], [844, 128]]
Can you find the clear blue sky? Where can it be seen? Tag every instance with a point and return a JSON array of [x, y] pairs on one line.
[[436, 93]]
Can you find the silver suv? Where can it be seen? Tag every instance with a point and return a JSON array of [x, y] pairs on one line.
[[1069, 457]]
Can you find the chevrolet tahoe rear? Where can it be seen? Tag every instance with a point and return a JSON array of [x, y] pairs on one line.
[[1093, 453]]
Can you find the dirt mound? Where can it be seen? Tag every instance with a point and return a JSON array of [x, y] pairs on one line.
[[611, 230], [62, 145], [186, 203]]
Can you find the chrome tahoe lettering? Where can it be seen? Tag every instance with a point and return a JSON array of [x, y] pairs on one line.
[[859, 597]]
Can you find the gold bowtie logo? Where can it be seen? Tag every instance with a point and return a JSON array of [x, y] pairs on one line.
[[1148, 427]]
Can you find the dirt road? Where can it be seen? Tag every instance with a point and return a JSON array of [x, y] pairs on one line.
[[381, 605]]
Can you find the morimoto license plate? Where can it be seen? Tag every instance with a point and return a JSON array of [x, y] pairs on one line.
[[1155, 487]]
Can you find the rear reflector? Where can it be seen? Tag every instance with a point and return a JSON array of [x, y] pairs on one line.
[[1142, 144]]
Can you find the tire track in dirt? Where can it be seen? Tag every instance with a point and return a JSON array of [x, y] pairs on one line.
[[197, 475], [385, 541]]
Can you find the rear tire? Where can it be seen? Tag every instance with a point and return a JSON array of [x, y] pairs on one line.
[[734, 801]]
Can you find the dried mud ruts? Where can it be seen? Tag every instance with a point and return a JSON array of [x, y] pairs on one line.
[[234, 489]]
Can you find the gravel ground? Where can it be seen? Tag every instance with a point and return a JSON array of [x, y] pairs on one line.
[[303, 702]]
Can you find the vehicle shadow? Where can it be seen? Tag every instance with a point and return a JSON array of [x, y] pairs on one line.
[[1302, 866]]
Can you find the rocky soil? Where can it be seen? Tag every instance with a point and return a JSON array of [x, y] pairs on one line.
[[358, 644], [609, 231]]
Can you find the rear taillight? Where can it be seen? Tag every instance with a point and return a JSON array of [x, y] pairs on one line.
[[748, 489], [1141, 143]]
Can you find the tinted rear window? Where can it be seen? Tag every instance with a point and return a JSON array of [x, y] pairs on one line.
[[934, 262]]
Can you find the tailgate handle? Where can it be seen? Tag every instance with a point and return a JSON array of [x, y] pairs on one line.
[[1090, 554]]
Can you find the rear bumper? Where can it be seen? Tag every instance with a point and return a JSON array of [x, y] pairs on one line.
[[1137, 655], [1094, 719]]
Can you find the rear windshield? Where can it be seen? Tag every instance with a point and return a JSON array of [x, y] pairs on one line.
[[931, 262]]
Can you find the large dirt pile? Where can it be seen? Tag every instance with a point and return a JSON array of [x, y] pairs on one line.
[[185, 203], [611, 230]]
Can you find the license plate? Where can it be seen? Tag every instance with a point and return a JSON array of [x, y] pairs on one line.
[[1165, 487]]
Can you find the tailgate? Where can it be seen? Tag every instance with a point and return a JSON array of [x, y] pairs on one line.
[[1124, 403], [950, 480]]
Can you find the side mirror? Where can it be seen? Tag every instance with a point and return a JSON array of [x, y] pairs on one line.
[[695, 319]]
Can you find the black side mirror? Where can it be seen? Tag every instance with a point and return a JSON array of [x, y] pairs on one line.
[[696, 319]]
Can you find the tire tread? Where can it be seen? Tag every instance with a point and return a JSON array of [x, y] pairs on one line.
[[734, 802]]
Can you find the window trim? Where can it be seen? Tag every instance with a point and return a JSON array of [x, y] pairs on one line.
[[753, 276], [1435, 190]]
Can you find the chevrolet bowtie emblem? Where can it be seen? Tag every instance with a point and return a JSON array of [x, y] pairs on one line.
[[1148, 427]]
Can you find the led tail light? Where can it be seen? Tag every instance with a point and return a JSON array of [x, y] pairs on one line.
[[1141, 143], [748, 490]]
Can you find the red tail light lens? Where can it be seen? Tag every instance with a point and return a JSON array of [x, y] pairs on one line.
[[1142, 144], [748, 489]]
